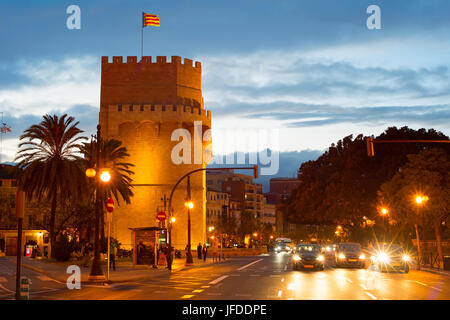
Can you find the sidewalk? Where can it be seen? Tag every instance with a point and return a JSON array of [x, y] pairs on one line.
[[124, 270]]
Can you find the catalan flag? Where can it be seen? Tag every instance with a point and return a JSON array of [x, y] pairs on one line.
[[149, 20], [5, 128]]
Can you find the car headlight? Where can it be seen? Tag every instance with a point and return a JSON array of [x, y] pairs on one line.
[[362, 256], [277, 248], [328, 248], [373, 258], [320, 258], [297, 257], [406, 258], [341, 256], [383, 257]]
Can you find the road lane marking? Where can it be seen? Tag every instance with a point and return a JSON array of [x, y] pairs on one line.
[[279, 293], [425, 285], [187, 296], [349, 280], [285, 267], [370, 295], [218, 279], [198, 290], [205, 286], [363, 286], [248, 265], [3, 279], [45, 278], [282, 280]]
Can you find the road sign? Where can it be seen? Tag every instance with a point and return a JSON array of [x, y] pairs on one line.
[[161, 216], [110, 205]]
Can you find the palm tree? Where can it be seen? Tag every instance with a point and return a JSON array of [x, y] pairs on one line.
[[113, 156], [50, 163]]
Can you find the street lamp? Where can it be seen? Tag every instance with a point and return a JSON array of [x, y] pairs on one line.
[[419, 200], [384, 211], [190, 205], [96, 273]]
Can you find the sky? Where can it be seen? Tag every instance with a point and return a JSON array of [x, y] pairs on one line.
[[310, 70]]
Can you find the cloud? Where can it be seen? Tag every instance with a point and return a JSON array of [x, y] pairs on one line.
[[44, 86]]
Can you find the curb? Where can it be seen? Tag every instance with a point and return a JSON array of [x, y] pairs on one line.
[[442, 273], [138, 278]]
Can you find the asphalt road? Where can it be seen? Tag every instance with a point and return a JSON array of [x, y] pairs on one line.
[[267, 277]]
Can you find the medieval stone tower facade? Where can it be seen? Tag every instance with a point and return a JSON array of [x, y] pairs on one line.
[[141, 104]]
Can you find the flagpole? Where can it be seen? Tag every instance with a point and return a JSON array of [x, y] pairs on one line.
[[142, 36]]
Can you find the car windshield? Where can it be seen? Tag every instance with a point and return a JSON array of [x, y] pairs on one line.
[[308, 248], [350, 247]]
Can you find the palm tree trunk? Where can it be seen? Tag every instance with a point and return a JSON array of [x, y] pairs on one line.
[[52, 224], [437, 230]]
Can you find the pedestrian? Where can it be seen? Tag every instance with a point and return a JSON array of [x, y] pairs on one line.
[[199, 251], [215, 251], [86, 257], [112, 255], [205, 251]]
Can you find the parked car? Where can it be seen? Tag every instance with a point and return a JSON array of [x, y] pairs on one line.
[[283, 247], [390, 257], [308, 256], [350, 255]]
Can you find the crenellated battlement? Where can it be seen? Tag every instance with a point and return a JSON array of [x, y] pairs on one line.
[[175, 60], [146, 81]]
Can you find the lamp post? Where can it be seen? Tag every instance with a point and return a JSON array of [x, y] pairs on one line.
[[104, 176], [189, 204], [419, 201], [384, 211]]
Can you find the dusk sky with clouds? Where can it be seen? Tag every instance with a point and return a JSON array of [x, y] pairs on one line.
[[308, 68]]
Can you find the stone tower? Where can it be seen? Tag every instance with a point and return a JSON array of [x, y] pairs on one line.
[[141, 104]]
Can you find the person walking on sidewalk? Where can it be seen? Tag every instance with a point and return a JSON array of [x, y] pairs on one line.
[[199, 251], [205, 251], [112, 255], [215, 251]]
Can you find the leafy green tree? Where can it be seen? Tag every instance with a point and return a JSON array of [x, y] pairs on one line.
[[113, 156], [49, 158], [340, 187], [425, 174]]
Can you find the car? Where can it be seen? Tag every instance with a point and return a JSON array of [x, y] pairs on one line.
[[349, 255], [329, 250], [308, 256], [282, 247], [390, 257]]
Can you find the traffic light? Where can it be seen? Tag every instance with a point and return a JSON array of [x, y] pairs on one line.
[[370, 149], [255, 171]]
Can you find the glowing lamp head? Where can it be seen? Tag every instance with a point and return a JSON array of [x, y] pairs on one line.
[[255, 234], [189, 204], [341, 256], [384, 211], [173, 219], [105, 176], [406, 258], [90, 172], [320, 258]]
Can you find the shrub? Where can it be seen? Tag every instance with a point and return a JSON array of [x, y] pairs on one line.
[[64, 248]]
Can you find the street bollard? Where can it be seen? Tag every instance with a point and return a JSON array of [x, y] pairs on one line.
[[25, 288]]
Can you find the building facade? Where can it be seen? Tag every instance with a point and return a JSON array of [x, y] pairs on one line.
[[154, 107]]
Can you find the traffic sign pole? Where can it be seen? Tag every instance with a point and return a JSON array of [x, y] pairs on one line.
[[109, 209]]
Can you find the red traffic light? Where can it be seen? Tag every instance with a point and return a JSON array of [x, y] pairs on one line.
[[370, 149], [255, 171]]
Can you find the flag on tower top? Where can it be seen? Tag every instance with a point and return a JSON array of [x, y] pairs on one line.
[[149, 20], [4, 128]]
